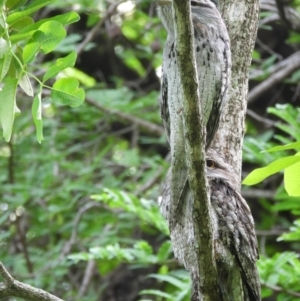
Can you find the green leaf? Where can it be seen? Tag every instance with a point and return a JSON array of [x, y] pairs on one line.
[[60, 65], [4, 65], [37, 117], [54, 33], [4, 47], [12, 4], [157, 293], [34, 6], [28, 31], [8, 107], [33, 46], [66, 91], [25, 84], [291, 179], [23, 23], [260, 174], [283, 147]]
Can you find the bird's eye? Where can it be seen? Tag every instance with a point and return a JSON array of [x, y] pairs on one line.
[[194, 3], [210, 164]]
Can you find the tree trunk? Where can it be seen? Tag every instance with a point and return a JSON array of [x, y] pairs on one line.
[[190, 222]]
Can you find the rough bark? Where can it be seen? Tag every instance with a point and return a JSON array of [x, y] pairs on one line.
[[192, 233], [11, 287], [241, 18], [194, 142]]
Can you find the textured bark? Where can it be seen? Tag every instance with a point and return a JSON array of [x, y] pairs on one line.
[[11, 287], [195, 259], [192, 228], [241, 18]]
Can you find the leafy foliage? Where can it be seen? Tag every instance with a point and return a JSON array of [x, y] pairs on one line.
[[79, 215], [290, 164], [21, 42]]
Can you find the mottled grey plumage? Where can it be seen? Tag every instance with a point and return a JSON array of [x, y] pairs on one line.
[[235, 239], [213, 60]]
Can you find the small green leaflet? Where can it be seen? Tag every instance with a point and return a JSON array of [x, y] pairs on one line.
[[4, 65], [46, 38], [37, 116], [284, 147], [8, 107], [292, 179], [34, 6], [260, 174], [60, 64], [67, 92], [4, 47]]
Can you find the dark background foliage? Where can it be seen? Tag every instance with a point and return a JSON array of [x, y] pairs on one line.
[[79, 215]]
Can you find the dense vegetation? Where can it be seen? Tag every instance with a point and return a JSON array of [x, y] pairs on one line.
[[79, 215]]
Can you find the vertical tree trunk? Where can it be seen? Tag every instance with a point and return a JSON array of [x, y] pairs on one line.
[[191, 230], [241, 18]]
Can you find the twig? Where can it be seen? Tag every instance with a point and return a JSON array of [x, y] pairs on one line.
[[289, 65], [272, 232], [281, 289], [71, 241], [88, 274], [258, 193], [266, 121], [204, 273], [141, 123], [96, 28], [11, 287]]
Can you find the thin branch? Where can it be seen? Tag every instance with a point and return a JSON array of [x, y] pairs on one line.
[[91, 34], [67, 247], [257, 117], [204, 274], [141, 123], [11, 287], [88, 275], [258, 193], [277, 288], [272, 232], [289, 65]]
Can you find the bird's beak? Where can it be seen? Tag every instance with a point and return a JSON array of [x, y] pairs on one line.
[[164, 2]]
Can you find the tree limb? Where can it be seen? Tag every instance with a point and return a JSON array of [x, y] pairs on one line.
[[12, 287], [279, 72], [204, 274], [141, 123]]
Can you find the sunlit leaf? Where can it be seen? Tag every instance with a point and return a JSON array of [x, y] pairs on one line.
[[260, 174], [60, 65], [54, 33], [4, 47], [8, 107], [22, 23], [25, 84], [34, 6], [32, 47], [37, 117], [292, 179], [67, 92], [4, 65], [294, 145]]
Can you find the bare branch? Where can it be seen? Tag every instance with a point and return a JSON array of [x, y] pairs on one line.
[[12, 287], [277, 288], [266, 121], [258, 193], [141, 123], [204, 274], [91, 34], [279, 72], [88, 274]]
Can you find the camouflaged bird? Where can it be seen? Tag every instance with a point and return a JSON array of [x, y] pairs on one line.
[[213, 61]]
